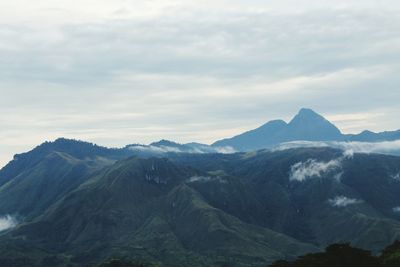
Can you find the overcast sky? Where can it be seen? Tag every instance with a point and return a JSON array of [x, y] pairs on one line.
[[127, 71]]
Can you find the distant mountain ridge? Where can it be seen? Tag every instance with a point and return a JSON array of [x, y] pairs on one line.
[[165, 146], [74, 203], [307, 125]]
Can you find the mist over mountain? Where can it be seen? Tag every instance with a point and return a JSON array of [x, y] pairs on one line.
[[171, 133], [73, 203], [295, 188], [306, 129], [166, 146], [307, 125]]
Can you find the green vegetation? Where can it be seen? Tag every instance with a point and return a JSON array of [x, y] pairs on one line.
[[391, 255], [336, 255], [78, 205], [344, 255], [124, 263]]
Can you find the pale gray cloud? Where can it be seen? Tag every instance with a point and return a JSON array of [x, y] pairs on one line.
[[312, 168], [396, 209], [396, 176], [7, 222], [198, 149], [206, 179], [137, 71], [342, 201], [387, 147]]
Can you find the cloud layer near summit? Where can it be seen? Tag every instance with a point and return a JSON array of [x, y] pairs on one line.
[[125, 71]]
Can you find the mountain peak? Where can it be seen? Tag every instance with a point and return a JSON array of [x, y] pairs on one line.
[[309, 125], [275, 123], [307, 113], [306, 110], [167, 143]]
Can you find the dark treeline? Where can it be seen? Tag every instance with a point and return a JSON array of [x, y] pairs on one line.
[[337, 255], [344, 255]]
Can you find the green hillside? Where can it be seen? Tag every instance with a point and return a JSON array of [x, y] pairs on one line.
[[79, 207]]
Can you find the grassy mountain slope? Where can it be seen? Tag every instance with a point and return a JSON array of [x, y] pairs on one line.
[[41, 185], [145, 206], [300, 208], [245, 209]]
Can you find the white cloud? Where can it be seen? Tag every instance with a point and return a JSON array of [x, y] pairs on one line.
[[225, 150], [348, 154], [299, 144], [199, 179], [206, 179], [7, 222], [389, 147], [302, 171], [396, 209], [197, 149], [338, 176], [312, 168], [154, 149], [396, 176], [342, 201]]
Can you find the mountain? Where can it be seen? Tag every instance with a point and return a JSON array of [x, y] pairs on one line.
[[310, 126], [164, 147], [307, 125], [265, 136], [35, 180], [74, 148], [345, 255], [169, 144], [317, 195], [149, 209], [77, 204], [368, 136], [44, 183]]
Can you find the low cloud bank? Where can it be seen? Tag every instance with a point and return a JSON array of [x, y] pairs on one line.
[[189, 149], [205, 179], [387, 147], [301, 171], [396, 209], [225, 150], [396, 176], [342, 201], [312, 168], [7, 222], [155, 149]]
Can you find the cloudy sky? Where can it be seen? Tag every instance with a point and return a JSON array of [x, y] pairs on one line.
[[127, 71]]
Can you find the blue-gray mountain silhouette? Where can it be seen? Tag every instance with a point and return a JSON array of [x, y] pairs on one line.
[[307, 125]]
